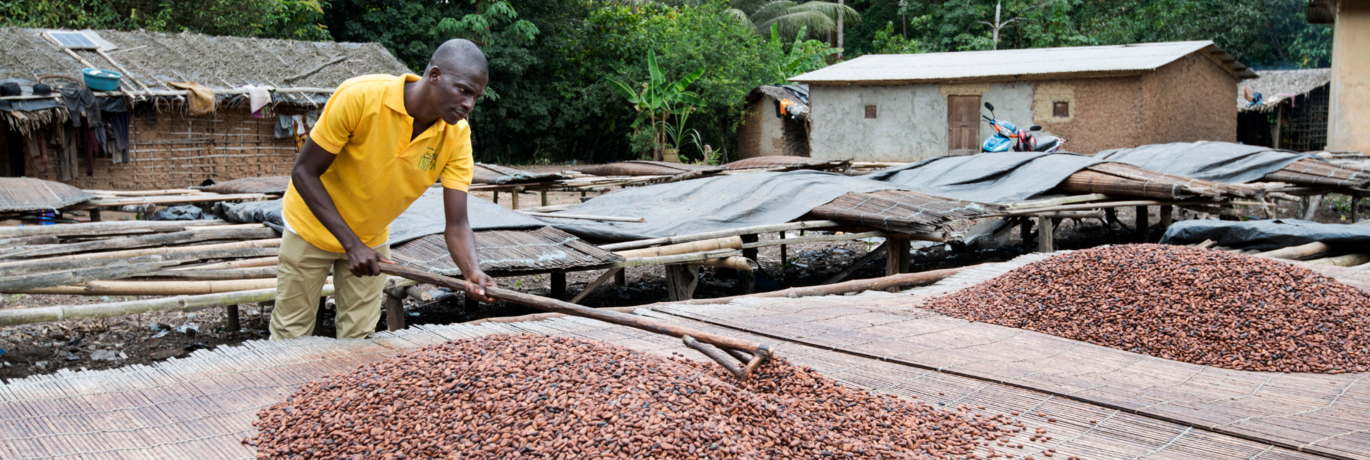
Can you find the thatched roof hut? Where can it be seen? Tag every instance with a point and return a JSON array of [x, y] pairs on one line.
[[221, 63], [168, 145], [1278, 86]]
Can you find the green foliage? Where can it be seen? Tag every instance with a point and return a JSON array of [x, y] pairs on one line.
[[292, 19], [1259, 33], [658, 100], [888, 42], [792, 18], [803, 56]]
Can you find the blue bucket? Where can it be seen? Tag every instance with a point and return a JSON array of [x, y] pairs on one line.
[[101, 80]]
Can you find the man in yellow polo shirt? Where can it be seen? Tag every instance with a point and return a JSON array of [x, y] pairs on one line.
[[378, 145]]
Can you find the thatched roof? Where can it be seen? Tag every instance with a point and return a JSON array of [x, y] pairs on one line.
[[1277, 86], [217, 62]]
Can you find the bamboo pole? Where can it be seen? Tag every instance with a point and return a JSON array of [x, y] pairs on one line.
[[872, 255], [16, 316], [1057, 201], [552, 208], [678, 258], [170, 199], [556, 306], [46, 265], [267, 243], [732, 242], [1349, 260], [721, 233], [808, 239], [1302, 251], [245, 263], [48, 279], [217, 275], [874, 284], [583, 217], [738, 263], [156, 287], [60, 230], [150, 240]]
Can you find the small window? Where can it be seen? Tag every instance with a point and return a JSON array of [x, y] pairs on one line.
[[1060, 109], [870, 111]]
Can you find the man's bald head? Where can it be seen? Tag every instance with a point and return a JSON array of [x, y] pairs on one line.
[[458, 55]]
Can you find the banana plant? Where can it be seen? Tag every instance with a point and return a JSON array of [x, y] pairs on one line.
[[658, 99]]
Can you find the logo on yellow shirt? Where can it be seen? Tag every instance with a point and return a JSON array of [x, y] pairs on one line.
[[429, 160]]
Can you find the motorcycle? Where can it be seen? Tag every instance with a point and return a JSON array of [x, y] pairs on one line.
[[1008, 137]]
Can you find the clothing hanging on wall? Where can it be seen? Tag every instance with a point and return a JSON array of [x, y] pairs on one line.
[[79, 100], [65, 140], [300, 132], [90, 146], [37, 149], [118, 123], [285, 126], [200, 96]]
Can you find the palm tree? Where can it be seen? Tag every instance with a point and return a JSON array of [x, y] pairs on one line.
[[819, 17]]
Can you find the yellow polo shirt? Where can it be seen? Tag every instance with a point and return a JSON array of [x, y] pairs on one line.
[[378, 171]]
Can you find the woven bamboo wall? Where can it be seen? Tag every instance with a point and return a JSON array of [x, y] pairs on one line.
[[182, 151]]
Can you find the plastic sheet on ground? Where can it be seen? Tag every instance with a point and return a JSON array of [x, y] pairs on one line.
[[425, 217], [1265, 235], [186, 212], [986, 177], [1215, 161], [711, 204]]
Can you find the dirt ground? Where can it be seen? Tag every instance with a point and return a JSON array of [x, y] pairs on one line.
[[47, 348]]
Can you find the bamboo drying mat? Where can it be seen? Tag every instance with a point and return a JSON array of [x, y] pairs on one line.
[[29, 194], [202, 406], [1327, 415], [275, 185], [504, 252], [901, 210]]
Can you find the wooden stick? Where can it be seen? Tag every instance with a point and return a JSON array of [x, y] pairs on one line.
[[596, 284], [43, 280], [582, 217], [1302, 251], [613, 317], [874, 284], [732, 242], [552, 208], [718, 357], [15, 316], [75, 229], [720, 234], [45, 265]]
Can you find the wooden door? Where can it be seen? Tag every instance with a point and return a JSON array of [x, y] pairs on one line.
[[963, 125]]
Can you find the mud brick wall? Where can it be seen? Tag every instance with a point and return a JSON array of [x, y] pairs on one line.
[[180, 151]]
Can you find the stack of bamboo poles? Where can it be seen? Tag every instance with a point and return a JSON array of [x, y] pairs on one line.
[[108, 198], [1117, 179], [167, 257], [1311, 172], [1317, 252]]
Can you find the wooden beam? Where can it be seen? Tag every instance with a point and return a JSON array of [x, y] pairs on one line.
[[1045, 235], [720, 234], [853, 267], [612, 273]]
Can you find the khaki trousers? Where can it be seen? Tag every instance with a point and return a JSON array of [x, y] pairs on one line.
[[299, 280]]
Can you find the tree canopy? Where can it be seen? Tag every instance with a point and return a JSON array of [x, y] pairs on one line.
[[293, 19]]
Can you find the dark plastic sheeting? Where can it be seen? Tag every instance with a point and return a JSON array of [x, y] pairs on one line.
[[711, 204], [425, 217], [1265, 234], [986, 177], [1215, 161], [187, 212]]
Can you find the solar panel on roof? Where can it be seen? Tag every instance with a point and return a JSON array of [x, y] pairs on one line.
[[73, 40]]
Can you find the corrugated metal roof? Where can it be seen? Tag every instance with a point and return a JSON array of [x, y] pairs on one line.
[[1024, 64]]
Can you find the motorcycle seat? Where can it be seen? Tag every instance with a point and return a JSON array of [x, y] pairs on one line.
[[1045, 143]]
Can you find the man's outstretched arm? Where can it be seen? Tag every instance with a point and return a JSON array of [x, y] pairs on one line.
[[309, 166], [461, 242]]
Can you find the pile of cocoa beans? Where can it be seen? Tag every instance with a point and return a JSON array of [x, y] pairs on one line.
[[1188, 304], [525, 396]]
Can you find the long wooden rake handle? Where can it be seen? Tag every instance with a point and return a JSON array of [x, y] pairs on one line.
[[759, 352]]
